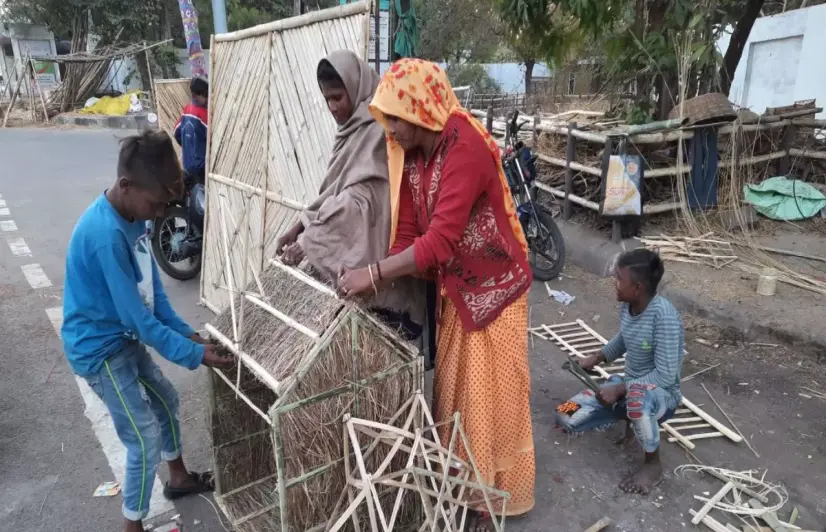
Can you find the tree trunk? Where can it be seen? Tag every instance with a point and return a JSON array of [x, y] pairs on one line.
[[738, 43], [529, 64]]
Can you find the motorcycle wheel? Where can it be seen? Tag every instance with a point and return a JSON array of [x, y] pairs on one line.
[[170, 230], [546, 247]]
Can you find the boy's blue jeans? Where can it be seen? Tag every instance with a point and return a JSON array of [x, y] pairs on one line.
[[645, 407], [144, 408]]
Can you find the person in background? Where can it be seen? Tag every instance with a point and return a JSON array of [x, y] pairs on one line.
[[348, 225], [114, 305], [191, 131], [453, 218], [652, 339]]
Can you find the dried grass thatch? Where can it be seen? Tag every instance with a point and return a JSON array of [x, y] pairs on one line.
[[305, 360]]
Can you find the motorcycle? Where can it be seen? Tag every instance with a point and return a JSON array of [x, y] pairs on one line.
[[177, 236], [546, 247]]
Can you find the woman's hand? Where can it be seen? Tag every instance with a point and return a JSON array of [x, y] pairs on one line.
[[293, 255], [288, 239], [352, 283]]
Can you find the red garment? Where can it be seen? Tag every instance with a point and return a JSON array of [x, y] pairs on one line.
[[452, 211]]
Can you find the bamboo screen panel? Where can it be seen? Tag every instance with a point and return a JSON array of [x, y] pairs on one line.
[[171, 96], [270, 138]]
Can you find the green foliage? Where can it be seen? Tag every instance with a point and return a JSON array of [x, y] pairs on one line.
[[458, 30], [165, 61], [475, 75]]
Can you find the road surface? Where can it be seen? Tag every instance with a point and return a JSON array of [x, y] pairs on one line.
[[57, 444]]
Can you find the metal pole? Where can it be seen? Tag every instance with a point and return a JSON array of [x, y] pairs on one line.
[[377, 28], [219, 16]]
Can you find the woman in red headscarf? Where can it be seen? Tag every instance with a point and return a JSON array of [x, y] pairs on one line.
[[454, 218]]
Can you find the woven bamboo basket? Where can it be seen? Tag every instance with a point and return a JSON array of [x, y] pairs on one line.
[[710, 108], [305, 359]]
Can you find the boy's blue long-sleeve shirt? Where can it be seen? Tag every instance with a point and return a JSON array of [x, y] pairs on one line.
[[653, 343], [113, 294]]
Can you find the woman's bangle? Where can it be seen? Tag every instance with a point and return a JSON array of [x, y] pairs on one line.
[[372, 279], [378, 269]]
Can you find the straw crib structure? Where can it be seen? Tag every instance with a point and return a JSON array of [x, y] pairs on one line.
[[270, 134], [305, 360]]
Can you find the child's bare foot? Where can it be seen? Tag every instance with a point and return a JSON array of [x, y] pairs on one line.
[[646, 477], [643, 480]]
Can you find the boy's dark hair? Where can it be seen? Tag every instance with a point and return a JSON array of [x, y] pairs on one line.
[[328, 76], [646, 267], [199, 87], [150, 162]]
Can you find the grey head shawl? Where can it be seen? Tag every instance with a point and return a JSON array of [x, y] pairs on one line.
[[349, 223]]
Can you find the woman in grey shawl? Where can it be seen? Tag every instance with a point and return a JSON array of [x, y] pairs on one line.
[[349, 223]]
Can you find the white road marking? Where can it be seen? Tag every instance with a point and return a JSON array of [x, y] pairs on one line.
[[19, 248], [2, 202], [104, 429], [56, 317], [36, 276], [8, 226], [5, 212]]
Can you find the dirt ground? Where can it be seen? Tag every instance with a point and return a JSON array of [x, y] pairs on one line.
[[759, 386]]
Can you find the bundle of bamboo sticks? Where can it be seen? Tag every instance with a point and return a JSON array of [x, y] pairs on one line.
[[695, 250]]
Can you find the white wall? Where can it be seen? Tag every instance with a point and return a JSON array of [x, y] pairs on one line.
[[784, 61]]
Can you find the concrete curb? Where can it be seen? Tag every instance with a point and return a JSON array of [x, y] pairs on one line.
[[596, 254], [132, 122]]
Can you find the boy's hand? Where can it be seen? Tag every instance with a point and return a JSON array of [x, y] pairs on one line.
[[609, 395], [588, 363], [215, 358], [198, 339]]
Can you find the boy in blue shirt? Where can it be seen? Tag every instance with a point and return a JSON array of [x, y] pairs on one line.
[[652, 339], [114, 303]]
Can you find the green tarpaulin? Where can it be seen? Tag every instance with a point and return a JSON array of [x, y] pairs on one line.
[[785, 199]]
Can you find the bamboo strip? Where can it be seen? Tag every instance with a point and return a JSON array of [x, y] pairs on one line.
[[228, 267], [678, 437], [314, 17], [710, 522], [698, 516], [241, 394], [283, 317], [295, 272], [679, 420], [251, 363], [703, 436], [713, 422], [690, 427]]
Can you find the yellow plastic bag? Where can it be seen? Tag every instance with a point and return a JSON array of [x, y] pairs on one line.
[[110, 105]]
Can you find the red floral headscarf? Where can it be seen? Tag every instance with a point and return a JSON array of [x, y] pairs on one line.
[[419, 92]]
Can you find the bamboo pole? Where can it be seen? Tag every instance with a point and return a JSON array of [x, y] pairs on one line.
[[39, 92], [241, 394], [251, 363], [295, 272], [281, 316], [314, 17], [574, 165]]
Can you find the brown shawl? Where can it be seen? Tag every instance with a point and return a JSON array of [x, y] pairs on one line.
[[349, 223]]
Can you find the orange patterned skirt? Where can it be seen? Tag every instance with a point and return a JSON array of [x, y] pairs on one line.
[[485, 376]]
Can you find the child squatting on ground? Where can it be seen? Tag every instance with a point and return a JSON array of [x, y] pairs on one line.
[[115, 306], [652, 339]]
